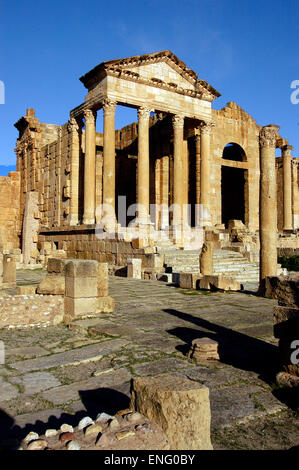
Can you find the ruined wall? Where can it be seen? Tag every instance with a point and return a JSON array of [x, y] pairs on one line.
[[10, 211], [234, 125], [84, 244]]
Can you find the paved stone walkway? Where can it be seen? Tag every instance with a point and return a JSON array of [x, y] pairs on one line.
[[57, 374]]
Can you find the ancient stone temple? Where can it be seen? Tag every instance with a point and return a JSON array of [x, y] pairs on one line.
[[179, 152]]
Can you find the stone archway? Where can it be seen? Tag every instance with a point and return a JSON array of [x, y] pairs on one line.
[[233, 184]]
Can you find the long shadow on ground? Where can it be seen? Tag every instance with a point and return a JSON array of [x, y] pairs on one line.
[[238, 350]]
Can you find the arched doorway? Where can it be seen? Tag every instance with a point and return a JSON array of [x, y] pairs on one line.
[[233, 184]]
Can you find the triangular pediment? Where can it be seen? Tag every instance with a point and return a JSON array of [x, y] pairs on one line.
[[159, 69]]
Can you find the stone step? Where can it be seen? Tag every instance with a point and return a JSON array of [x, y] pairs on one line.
[[230, 263], [236, 268]]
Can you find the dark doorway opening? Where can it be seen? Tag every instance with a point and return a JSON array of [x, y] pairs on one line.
[[232, 194]]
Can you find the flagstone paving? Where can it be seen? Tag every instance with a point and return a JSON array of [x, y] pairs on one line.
[[58, 373]]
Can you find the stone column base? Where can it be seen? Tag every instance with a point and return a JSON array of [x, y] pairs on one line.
[[8, 285]]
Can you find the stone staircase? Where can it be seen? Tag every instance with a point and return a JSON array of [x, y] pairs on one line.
[[227, 262]]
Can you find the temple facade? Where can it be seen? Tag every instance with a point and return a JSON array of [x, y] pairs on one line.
[[179, 153]]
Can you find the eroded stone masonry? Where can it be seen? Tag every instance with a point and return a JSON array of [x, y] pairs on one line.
[[180, 151]]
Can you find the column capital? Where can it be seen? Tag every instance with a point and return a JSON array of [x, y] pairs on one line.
[[178, 121], [89, 115], [72, 125], [268, 136], [286, 150], [109, 106], [206, 127], [143, 112]]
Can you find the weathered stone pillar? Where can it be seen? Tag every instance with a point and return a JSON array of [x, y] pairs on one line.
[[143, 165], [268, 203], [134, 268], [178, 170], [9, 269], [206, 258], [81, 289], [180, 406], [89, 167], [103, 280], [109, 107], [73, 129], [287, 187], [205, 183]]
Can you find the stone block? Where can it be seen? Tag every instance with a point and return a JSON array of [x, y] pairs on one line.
[[78, 287], [53, 284], [203, 349], [105, 304], [286, 322], [103, 280], [181, 407], [134, 268], [26, 290], [219, 282], [56, 265], [154, 260], [283, 288], [235, 224], [190, 280], [81, 268], [79, 307], [140, 243], [9, 269]]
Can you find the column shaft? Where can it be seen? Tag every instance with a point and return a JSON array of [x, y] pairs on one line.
[[268, 203], [287, 187], [109, 107], [205, 182], [89, 167], [178, 170], [143, 165], [73, 129]]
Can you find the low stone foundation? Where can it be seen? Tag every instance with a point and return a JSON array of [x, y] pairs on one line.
[[21, 311]]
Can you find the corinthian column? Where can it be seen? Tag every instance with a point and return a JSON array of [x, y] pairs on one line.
[[73, 129], [205, 183], [109, 107], [89, 166], [143, 164], [178, 170], [268, 203], [197, 176], [287, 187]]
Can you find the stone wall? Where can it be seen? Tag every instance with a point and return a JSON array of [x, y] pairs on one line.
[[82, 243], [234, 125], [10, 228]]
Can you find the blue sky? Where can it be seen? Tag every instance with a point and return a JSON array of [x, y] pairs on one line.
[[248, 50]]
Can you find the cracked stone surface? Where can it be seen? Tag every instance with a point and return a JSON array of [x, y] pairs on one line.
[[57, 374]]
